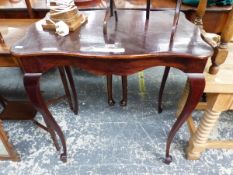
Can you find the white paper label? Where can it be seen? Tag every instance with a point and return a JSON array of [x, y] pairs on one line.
[[62, 28]]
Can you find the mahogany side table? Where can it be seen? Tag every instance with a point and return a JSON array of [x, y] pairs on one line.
[[124, 47]]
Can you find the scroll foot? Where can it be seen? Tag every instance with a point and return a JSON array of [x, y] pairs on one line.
[[63, 157], [167, 160]]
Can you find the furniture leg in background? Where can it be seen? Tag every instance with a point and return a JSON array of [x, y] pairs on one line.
[[7, 151], [221, 50], [219, 90], [199, 142]]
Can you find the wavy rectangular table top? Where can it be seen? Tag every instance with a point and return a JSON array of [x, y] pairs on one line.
[[130, 36]]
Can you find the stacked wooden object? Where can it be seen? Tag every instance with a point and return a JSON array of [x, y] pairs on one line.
[[66, 12]]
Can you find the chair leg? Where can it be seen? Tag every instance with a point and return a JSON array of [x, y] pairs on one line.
[[111, 101], [162, 86], [123, 102], [32, 87], [198, 142]]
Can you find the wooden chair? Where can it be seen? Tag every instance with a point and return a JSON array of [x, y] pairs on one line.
[[219, 90], [220, 48]]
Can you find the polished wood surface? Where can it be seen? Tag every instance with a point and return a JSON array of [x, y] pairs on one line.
[[124, 47], [12, 30], [127, 37]]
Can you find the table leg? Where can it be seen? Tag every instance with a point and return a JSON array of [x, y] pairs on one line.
[[65, 72], [123, 102], [32, 87], [111, 102], [65, 85], [73, 90], [196, 85], [162, 86]]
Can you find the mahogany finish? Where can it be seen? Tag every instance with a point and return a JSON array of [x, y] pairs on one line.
[[136, 44], [11, 31]]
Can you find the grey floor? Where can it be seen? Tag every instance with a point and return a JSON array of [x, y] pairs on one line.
[[110, 140]]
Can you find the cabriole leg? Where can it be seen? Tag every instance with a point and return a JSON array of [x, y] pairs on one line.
[[196, 85], [32, 86]]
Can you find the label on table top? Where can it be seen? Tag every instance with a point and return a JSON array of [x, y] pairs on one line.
[[107, 48]]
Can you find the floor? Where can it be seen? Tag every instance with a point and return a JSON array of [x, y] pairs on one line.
[[110, 140]]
